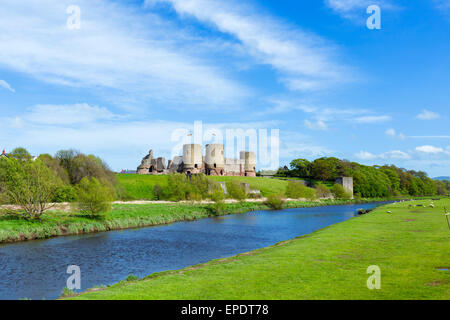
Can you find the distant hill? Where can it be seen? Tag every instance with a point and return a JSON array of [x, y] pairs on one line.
[[442, 178]]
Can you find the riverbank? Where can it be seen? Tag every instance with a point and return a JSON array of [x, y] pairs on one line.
[[409, 243], [131, 215]]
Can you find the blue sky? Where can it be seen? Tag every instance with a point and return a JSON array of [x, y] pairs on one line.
[[136, 71]]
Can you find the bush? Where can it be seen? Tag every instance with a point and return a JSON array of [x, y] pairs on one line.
[[275, 202], [132, 277], [295, 190], [158, 192], [94, 198], [236, 190], [323, 191], [177, 186], [339, 192], [65, 193]]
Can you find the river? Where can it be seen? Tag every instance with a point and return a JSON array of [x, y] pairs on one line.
[[37, 269]]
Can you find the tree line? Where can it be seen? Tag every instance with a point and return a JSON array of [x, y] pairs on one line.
[[36, 184], [369, 181]]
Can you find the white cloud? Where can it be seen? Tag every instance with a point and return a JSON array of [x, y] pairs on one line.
[[67, 114], [294, 145], [316, 125], [6, 86], [124, 50], [303, 60], [373, 119], [396, 154], [392, 133], [356, 9], [428, 115], [429, 149], [390, 155], [364, 155]]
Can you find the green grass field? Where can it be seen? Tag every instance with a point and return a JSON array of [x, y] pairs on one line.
[[409, 245], [140, 187]]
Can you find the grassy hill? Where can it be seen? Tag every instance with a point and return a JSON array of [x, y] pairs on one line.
[[140, 187]]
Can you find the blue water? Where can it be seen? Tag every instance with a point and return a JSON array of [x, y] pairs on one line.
[[37, 269]]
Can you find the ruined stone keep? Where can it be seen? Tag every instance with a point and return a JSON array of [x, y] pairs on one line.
[[192, 161]]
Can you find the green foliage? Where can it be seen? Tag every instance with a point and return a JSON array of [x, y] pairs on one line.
[[132, 277], [275, 202], [322, 191], [236, 190], [158, 192], [20, 154], [94, 198], [369, 181], [68, 293], [300, 168], [339, 192], [297, 190], [27, 184]]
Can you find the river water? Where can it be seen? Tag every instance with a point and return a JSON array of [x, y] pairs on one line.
[[37, 269]]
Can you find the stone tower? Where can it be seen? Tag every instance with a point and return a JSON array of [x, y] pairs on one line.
[[192, 158], [215, 159]]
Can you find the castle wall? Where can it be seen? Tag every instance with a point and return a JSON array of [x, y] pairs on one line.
[[192, 161]]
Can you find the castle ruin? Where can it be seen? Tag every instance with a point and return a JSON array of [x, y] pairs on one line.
[[192, 161]]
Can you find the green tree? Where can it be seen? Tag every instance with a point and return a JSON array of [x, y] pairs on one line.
[[300, 168], [20, 154], [31, 185], [325, 169], [94, 198]]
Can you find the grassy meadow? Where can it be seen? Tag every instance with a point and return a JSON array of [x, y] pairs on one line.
[[409, 243], [140, 187]]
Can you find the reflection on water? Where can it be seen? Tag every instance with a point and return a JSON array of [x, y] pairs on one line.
[[37, 269]]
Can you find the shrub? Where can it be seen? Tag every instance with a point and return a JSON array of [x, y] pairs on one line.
[[323, 191], [236, 190], [65, 193], [94, 198], [158, 192], [295, 190], [275, 202], [132, 277], [177, 186], [339, 192], [68, 293]]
